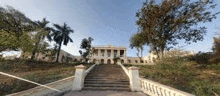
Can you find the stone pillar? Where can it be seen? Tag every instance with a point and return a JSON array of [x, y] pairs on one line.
[[78, 82], [99, 53], [112, 53], [125, 55], [105, 53], [134, 78], [118, 53]]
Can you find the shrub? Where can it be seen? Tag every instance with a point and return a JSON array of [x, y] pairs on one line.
[[178, 73], [201, 88]]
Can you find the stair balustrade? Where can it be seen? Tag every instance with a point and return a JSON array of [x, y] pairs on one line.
[[150, 87], [80, 75], [156, 89]]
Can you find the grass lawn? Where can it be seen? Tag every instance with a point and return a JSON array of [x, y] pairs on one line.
[[192, 74], [37, 71]]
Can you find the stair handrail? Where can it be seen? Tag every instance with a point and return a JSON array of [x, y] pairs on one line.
[[156, 89], [125, 69], [90, 68]]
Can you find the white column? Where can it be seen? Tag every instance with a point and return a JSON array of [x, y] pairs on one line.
[[134, 78], [99, 53], [118, 53], [112, 53], [105, 53], [78, 82], [125, 55]]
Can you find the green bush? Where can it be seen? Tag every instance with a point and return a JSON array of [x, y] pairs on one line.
[[181, 73], [201, 88]]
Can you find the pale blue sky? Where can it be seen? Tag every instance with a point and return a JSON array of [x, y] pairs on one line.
[[107, 21]]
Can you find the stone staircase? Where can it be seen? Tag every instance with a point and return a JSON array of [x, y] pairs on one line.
[[107, 77]]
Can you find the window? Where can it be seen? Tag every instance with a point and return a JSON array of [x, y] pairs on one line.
[[102, 53], [115, 53], [129, 61], [96, 52], [109, 53], [121, 53]]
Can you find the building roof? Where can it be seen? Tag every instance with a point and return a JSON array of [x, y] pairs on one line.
[[108, 46]]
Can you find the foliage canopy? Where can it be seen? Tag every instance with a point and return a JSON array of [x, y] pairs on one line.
[[163, 24]]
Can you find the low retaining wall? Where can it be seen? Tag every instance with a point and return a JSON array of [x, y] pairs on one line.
[[140, 63], [62, 85]]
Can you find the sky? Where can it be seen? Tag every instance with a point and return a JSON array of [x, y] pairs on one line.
[[106, 21]]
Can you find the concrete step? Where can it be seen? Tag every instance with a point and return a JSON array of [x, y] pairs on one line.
[[106, 88], [114, 80], [106, 85], [107, 82], [107, 77], [110, 78]]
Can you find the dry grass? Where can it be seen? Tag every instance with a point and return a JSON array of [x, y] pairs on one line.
[[37, 71], [190, 74]]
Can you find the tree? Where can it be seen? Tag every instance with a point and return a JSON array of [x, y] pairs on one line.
[[137, 42], [61, 35], [42, 32], [12, 26], [87, 45], [51, 53], [163, 24], [27, 43]]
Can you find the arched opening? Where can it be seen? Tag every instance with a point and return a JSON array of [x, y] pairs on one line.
[[145, 61], [122, 61], [94, 60], [136, 61], [109, 61], [75, 60], [115, 61], [154, 59], [142, 61], [129, 61], [102, 61]]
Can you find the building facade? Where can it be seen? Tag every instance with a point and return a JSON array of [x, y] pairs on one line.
[[106, 54], [46, 56]]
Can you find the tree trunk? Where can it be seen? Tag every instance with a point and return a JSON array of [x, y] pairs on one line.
[[58, 51], [22, 56], [33, 55], [158, 56], [162, 50], [140, 57], [37, 55], [36, 48], [34, 52]]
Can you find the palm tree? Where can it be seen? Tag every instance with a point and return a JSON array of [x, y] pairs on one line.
[[42, 32], [61, 35]]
